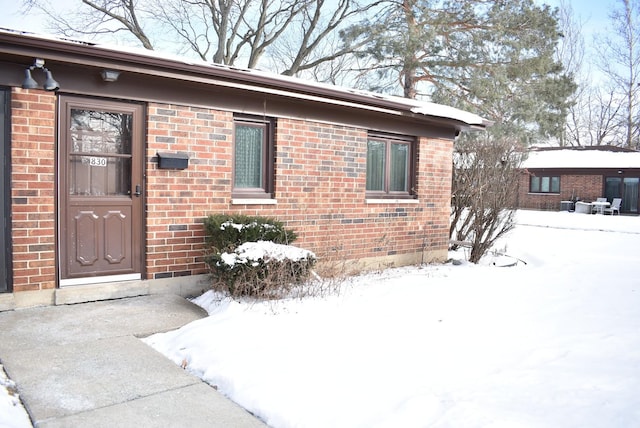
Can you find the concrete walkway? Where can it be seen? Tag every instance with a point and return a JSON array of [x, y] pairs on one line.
[[83, 365]]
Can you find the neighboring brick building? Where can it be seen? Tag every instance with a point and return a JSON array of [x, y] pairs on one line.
[[111, 175], [553, 175]]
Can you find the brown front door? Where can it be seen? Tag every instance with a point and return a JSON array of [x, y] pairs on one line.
[[101, 201]]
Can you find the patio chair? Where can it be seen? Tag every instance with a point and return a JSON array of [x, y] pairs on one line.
[[594, 208], [615, 207]]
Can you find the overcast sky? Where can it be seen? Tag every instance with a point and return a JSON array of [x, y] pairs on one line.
[[593, 12]]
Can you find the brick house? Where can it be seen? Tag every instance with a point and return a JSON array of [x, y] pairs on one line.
[[109, 173], [555, 174]]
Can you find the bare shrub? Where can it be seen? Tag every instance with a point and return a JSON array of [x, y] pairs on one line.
[[262, 269], [485, 189]]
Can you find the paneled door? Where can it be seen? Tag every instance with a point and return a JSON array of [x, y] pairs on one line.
[[101, 200]]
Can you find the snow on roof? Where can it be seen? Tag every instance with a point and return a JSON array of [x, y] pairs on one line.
[[581, 159], [440, 110], [415, 106]]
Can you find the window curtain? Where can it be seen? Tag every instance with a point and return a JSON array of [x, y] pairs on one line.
[[630, 194], [248, 156], [535, 184], [544, 184], [612, 187], [399, 163], [375, 165]]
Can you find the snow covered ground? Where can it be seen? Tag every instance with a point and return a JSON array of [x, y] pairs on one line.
[[12, 414], [553, 343]]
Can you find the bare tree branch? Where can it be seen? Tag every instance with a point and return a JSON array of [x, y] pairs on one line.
[[232, 32], [485, 169], [619, 60]]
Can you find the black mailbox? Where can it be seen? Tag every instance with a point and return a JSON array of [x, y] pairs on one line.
[[173, 160]]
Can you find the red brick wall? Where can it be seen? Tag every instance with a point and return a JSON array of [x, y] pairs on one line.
[[33, 189], [319, 188], [585, 187], [324, 201], [434, 190], [178, 200]]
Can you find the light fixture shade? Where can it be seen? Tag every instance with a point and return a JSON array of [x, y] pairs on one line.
[[110, 75], [28, 82], [49, 83]]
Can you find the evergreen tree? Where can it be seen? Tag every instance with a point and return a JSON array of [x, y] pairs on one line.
[[494, 58]]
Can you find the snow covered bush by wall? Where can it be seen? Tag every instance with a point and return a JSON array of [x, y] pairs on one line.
[[228, 231], [249, 256], [262, 269]]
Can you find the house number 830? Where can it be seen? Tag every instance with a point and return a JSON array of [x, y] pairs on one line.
[[95, 161]]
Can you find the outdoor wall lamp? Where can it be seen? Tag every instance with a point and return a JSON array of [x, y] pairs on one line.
[[30, 83], [110, 75]]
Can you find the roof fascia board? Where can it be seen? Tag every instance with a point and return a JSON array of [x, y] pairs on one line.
[[95, 55]]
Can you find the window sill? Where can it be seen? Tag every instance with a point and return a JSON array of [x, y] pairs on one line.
[[544, 193], [391, 201], [253, 201]]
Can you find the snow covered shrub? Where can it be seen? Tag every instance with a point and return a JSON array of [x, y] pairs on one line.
[[261, 269], [228, 231], [249, 256]]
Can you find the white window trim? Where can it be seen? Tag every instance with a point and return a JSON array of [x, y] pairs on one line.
[[392, 201], [254, 201]]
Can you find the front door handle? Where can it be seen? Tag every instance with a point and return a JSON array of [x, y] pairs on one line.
[[138, 191]]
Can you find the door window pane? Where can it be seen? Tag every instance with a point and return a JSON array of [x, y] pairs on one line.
[[100, 153], [630, 194], [375, 165], [612, 188], [100, 132], [99, 176]]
